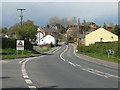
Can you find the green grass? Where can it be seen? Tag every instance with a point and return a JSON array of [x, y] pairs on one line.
[[63, 40], [102, 57], [44, 50], [25, 54]]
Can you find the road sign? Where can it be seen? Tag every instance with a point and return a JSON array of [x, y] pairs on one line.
[[20, 45], [110, 51]]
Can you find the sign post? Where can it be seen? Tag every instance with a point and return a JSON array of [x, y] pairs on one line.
[[110, 51], [20, 46]]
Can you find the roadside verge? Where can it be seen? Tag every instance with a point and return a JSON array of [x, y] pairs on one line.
[[95, 60], [31, 55]]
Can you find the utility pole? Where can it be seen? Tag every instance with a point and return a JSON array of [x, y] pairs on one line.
[[78, 32], [21, 17]]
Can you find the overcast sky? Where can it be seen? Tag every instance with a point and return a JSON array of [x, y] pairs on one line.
[[40, 12]]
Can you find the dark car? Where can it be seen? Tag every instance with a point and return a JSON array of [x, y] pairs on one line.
[[66, 43]]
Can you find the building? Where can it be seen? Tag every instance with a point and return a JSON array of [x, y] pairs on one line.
[[58, 26], [48, 31], [43, 32], [71, 32], [47, 40], [99, 35]]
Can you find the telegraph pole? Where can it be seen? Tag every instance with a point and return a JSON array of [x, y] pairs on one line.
[[78, 32], [21, 17]]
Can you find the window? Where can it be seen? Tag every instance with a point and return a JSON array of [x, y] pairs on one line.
[[101, 39], [112, 37]]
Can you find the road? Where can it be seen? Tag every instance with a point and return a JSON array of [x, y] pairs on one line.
[[59, 69]]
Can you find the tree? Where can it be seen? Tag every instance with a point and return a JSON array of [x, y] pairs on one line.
[[54, 20], [117, 30], [111, 24], [64, 22], [84, 22], [13, 29], [105, 26], [4, 30], [73, 20], [27, 31]]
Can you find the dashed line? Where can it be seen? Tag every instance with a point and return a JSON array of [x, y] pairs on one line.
[[90, 70], [25, 76], [87, 59], [28, 81]]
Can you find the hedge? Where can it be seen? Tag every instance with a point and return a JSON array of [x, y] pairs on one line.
[[11, 43], [100, 47]]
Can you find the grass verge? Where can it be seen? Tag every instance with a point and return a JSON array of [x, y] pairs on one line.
[[26, 53], [102, 57], [63, 40]]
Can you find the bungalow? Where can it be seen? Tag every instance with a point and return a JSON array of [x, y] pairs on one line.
[[99, 35], [47, 40]]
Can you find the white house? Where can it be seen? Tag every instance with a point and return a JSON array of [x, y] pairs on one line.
[[47, 40], [6, 36], [39, 35]]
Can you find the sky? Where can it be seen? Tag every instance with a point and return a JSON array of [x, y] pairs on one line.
[[40, 12]]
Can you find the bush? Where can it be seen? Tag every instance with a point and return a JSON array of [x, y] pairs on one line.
[[100, 48], [11, 43]]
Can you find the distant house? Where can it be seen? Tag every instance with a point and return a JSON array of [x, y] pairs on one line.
[[43, 32], [71, 32], [99, 35], [40, 34], [48, 31], [58, 26], [47, 40], [6, 36]]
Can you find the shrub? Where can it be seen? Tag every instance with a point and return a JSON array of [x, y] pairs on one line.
[[11, 43], [101, 47]]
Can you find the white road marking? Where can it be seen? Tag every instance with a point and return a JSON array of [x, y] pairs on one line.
[[90, 70], [22, 60], [57, 50], [78, 65], [63, 53], [28, 81], [86, 59], [25, 76], [32, 86]]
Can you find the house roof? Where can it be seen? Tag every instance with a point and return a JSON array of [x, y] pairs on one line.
[[82, 35], [49, 29], [101, 30], [58, 25]]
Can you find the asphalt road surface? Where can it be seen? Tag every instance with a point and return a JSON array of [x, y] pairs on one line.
[[58, 69]]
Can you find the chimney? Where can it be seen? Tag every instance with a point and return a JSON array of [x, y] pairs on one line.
[[109, 28], [92, 28]]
